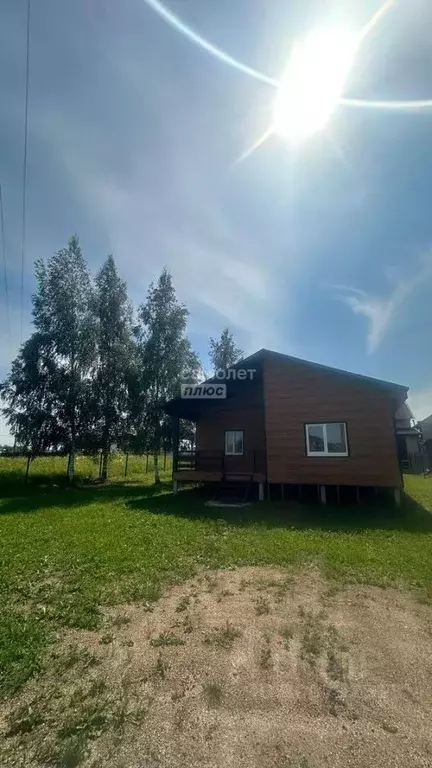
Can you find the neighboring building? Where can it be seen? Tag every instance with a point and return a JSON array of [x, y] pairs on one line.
[[409, 441], [293, 423], [425, 426]]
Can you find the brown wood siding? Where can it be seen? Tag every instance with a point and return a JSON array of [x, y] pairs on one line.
[[296, 394], [245, 412]]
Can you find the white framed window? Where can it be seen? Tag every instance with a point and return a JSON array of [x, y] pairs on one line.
[[326, 439], [234, 442]]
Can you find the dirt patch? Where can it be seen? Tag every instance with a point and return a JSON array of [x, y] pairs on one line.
[[243, 668]]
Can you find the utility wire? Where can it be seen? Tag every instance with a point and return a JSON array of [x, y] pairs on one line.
[[3, 247], [24, 190]]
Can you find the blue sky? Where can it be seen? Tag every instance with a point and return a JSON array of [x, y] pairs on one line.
[[324, 252]]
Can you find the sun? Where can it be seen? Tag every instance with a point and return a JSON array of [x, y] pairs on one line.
[[313, 82]]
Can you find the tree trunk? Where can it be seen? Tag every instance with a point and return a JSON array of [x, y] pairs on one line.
[[156, 468], [71, 465], [104, 466]]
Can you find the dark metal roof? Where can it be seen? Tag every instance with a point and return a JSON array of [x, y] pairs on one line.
[[257, 358], [269, 354]]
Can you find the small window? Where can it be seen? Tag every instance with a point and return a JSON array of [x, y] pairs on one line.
[[234, 442], [326, 439]]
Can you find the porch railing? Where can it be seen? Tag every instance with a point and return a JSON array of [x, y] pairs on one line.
[[216, 461]]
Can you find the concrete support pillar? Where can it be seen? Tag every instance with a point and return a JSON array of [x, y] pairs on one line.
[[261, 491], [323, 495], [397, 496], [175, 486]]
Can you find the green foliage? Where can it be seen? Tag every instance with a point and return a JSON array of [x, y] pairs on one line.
[[87, 379], [223, 352], [115, 360], [48, 388], [165, 359]]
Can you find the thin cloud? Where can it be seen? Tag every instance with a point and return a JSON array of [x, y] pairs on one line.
[[382, 313], [420, 402], [150, 180]]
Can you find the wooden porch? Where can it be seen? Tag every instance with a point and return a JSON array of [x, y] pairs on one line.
[[214, 466]]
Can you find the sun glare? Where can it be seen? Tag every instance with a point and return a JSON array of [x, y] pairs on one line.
[[312, 83]]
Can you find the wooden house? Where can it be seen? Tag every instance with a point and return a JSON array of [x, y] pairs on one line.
[[289, 422]]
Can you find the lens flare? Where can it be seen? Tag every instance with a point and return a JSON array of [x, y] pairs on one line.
[[312, 84], [322, 64]]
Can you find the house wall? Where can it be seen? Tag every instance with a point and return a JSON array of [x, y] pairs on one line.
[[296, 394], [246, 412]]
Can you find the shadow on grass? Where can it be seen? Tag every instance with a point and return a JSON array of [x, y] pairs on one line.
[[30, 498], [157, 499], [410, 516]]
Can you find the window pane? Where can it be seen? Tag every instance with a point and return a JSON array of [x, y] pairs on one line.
[[229, 442], [336, 438], [238, 442], [316, 438]]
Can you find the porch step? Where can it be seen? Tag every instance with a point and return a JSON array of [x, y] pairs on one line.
[[232, 492]]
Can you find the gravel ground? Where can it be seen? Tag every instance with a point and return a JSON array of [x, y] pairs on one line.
[[249, 667]]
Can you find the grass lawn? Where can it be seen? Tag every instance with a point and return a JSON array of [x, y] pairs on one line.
[[64, 553]]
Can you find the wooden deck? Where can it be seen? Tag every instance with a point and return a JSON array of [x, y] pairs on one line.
[[206, 476]]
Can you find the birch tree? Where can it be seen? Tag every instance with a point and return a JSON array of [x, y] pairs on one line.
[[62, 314], [114, 344], [223, 352], [165, 356]]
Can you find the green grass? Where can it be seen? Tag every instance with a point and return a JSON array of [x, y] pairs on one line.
[[64, 552], [54, 468]]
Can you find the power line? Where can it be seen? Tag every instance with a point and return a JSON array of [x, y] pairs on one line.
[[24, 190], [3, 246]]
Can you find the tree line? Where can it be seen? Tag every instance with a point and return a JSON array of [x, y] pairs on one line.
[[95, 374]]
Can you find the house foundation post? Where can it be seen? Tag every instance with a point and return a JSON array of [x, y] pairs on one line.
[[323, 495], [397, 496], [261, 491], [175, 486]]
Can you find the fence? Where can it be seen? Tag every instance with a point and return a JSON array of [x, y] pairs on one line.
[[127, 466], [415, 463]]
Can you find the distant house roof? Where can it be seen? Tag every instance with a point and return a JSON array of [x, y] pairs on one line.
[[426, 427]]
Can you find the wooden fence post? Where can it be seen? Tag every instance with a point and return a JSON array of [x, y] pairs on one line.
[[126, 465], [147, 462]]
